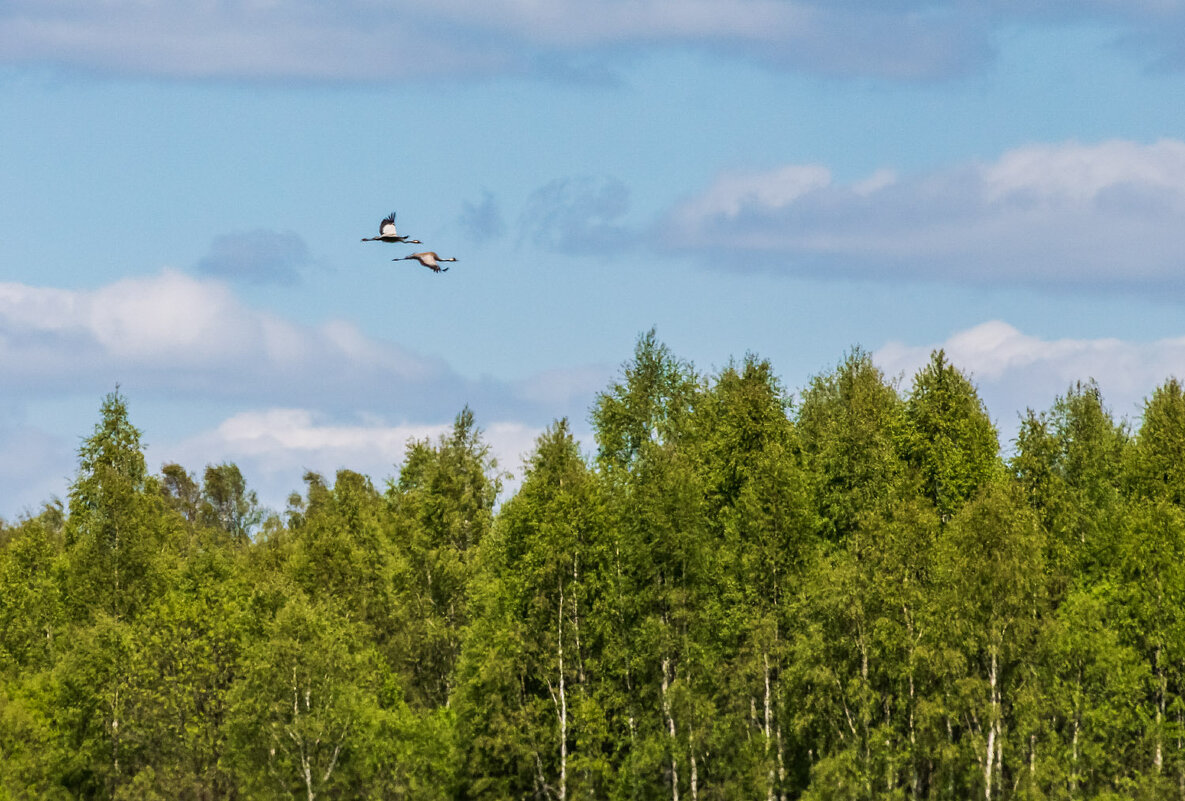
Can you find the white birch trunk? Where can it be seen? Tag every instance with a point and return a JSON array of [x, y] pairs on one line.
[[576, 619], [915, 782], [306, 770], [666, 710], [1074, 758], [768, 743], [306, 753], [563, 705], [1158, 759], [950, 774], [115, 734], [999, 724], [1180, 768], [781, 763], [865, 715], [990, 756], [1032, 760]]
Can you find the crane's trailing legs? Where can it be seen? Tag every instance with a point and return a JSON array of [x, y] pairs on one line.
[[428, 259]]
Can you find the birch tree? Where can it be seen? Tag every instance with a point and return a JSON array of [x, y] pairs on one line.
[[948, 437], [188, 653], [115, 528], [1084, 727], [1070, 463], [538, 604], [763, 527], [850, 423], [304, 707], [441, 507], [990, 592], [655, 494]]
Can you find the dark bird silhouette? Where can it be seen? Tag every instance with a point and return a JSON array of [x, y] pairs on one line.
[[428, 259], [387, 233]]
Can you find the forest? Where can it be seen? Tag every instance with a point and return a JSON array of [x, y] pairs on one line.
[[848, 592]]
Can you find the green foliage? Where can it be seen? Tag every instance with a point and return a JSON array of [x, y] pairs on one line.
[[738, 597], [1070, 465], [1156, 464], [303, 705], [112, 542], [31, 604], [850, 422], [227, 504], [948, 437], [540, 577], [441, 508], [648, 405]]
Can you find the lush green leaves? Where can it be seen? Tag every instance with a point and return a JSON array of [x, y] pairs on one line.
[[737, 597]]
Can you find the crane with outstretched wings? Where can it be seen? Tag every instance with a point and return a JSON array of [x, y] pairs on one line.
[[387, 233], [428, 259]]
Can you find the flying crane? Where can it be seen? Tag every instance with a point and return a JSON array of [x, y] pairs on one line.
[[429, 259], [387, 233]]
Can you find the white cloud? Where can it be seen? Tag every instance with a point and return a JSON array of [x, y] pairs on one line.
[[298, 397], [1015, 371], [171, 332], [369, 40], [569, 388], [383, 40], [274, 448], [239, 38], [610, 21], [1079, 174], [174, 336], [1070, 214], [735, 192]]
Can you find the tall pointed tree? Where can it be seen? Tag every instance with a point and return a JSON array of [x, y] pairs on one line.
[[990, 594], [530, 701], [644, 427], [441, 508], [1070, 462], [1156, 463], [762, 528], [650, 404], [111, 536], [948, 438], [849, 424]]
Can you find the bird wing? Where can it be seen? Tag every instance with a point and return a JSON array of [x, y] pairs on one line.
[[387, 226]]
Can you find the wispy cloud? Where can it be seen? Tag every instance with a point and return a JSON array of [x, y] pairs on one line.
[[363, 40], [482, 220], [1070, 215], [257, 257], [577, 215], [1015, 371], [353, 41]]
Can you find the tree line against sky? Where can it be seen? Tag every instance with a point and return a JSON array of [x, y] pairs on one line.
[[848, 594]]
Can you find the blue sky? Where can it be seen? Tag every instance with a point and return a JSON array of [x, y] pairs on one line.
[[185, 186]]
